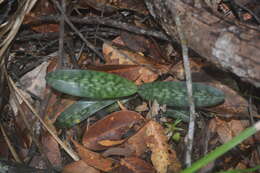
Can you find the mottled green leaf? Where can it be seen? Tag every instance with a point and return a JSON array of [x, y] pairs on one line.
[[175, 94], [184, 115], [79, 111], [115, 107], [91, 84]]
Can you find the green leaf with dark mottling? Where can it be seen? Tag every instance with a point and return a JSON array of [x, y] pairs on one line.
[[175, 94], [80, 111], [184, 115], [90, 84]]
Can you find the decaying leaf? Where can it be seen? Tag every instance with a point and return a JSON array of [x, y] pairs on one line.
[[15, 100], [135, 165], [79, 167], [140, 43], [112, 127], [150, 70], [56, 106], [151, 137], [51, 149], [141, 108], [137, 143], [94, 159], [34, 81], [154, 110], [234, 105], [109, 143], [117, 151], [227, 130], [163, 157], [130, 72]]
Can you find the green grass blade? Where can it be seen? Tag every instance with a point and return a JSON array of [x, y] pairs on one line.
[[249, 170], [222, 149]]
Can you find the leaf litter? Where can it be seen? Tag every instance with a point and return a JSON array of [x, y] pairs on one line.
[[124, 140]]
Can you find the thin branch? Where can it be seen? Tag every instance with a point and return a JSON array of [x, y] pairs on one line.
[[90, 45], [29, 128], [61, 35], [64, 146], [103, 21], [14, 28], [186, 62], [11, 148]]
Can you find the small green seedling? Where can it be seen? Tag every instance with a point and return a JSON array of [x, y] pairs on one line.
[[174, 131]]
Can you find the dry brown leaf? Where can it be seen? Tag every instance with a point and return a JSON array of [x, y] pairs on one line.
[[223, 130], [130, 72], [109, 143], [154, 110], [150, 69], [234, 105], [152, 137], [163, 157], [136, 143], [140, 43], [23, 138], [79, 167], [34, 81], [51, 149], [37, 161], [117, 151], [112, 127], [241, 165], [136, 165], [15, 99], [94, 159], [179, 72], [226, 130], [57, 105], [116, 55], [141, 108]]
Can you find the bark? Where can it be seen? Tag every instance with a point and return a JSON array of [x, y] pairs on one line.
[[231, 46]]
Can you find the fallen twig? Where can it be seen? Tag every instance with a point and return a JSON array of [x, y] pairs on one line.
[[186, 62]]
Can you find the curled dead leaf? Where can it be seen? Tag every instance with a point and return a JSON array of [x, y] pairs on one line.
[[112, 127], [94, 159], [150, 69], [130, 72], [226, 129], [109, 143], [151, 137], [163, 157], [136, 165], [51, 149], [79, 167]]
